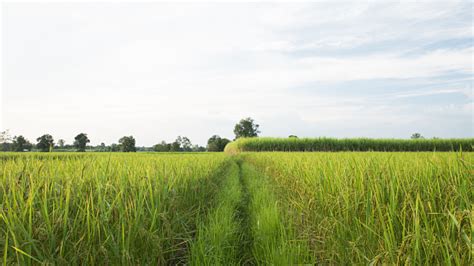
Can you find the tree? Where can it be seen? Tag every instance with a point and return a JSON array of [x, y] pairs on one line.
[[216, 143], [128, 144], [175, 146], [162, 147], [186, 144], [61, 143], [198, 148], [45, 143], [246, 128], [5, 140], [80, 142], [20, 143], [292, 136], [416, 136], [115, 147]]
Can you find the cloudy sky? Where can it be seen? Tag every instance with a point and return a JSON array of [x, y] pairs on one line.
[[158, 70]]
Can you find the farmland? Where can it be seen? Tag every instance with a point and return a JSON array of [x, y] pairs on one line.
[[249, 208]]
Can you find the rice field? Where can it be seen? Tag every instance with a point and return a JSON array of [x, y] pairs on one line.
[[249, 208]]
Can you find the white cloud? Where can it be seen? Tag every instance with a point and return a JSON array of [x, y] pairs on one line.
[[162, 70]]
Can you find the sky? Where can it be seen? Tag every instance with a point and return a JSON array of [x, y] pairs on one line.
[[159, 70]]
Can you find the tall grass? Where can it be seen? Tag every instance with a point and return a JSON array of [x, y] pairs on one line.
[[273, 238], [255, 208], [104, 209], [218, 234], [356, 144], [366, 208]]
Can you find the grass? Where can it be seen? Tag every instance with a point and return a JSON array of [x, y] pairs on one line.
[[252, 208], [96, 209], [364, 208], [356, 144]]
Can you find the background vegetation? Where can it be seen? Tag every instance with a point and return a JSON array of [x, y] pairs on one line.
[[356, 144]]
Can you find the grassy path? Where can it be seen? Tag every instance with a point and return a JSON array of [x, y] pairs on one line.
[[245, 227]]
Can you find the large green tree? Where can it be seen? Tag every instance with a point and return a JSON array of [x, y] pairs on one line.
[[80, 142], [216, 143], [246, 128], [45, 143], [127, 144]]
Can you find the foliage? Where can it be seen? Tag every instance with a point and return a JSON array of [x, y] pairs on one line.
[[416, 136], [162, 147], [216, 143], [356, 144], [45, 143], [80, 142], [61, 143], [246, 128], [20, 144], [127, 144]]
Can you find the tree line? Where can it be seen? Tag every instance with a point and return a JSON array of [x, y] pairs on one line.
[[45, 143]]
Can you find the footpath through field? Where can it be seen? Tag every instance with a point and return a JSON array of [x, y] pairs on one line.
[[245, 227]]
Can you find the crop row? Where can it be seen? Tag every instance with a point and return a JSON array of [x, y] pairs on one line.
[[356, 144]]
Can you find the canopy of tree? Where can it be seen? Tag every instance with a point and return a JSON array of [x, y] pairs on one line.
[[216, 143], [80, 142], [45, 143], [127, 144], [246, 128]]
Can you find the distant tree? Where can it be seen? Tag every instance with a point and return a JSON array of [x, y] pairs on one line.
[[186, 144], [45, 143], [216, 143], [128, 144], [80, 142], [292, 136], [5, 140], [102, 147], [61, 143], [416, 136], [162, 147], [246, 128], [198, 148], [114, 147], [181, 144], [175, 146], [21, 144]]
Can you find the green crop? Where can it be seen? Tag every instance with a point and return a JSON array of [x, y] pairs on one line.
[[252, 208], [356, 144]]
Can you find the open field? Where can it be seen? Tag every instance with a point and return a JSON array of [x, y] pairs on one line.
[[250, 208]]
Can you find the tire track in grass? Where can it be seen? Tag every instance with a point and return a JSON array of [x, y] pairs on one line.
[[218, 234], [245, 256], [273, 239]]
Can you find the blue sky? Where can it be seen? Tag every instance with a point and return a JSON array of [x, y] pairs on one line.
[[158, 70]]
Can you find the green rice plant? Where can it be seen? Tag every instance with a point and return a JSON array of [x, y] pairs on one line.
[[356, 144], [104, 209], [273, 239], [366, 208], [254, 208]]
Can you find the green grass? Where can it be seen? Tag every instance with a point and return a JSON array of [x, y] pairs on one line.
[[104, 209], [253, 208], [362, 208], [356, 144]]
